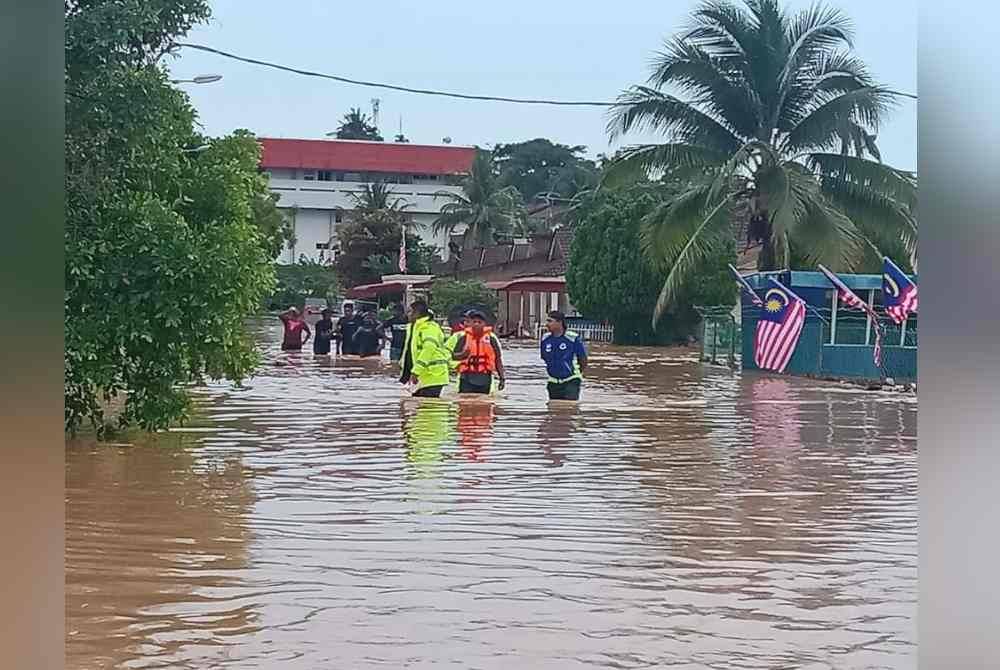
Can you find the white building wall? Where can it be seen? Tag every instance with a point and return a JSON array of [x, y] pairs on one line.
[[314, 205]]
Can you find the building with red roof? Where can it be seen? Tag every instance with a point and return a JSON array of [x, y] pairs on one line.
[[315, 180]]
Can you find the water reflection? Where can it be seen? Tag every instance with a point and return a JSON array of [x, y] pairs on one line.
[[679, 516]]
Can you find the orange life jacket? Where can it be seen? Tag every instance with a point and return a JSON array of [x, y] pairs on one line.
[[482, 357]]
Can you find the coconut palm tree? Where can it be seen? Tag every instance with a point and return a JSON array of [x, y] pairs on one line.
[[773, 116], [485, 208]]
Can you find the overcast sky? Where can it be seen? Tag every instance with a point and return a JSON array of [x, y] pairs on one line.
[[561, 50]]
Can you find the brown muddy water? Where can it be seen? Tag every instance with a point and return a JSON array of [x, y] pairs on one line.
[[681, 516]]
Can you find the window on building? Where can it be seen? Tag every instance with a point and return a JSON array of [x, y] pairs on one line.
[[309, 175], [325, 175], [353, 176]]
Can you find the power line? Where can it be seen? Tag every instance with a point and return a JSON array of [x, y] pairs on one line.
[[422, 91], [393, 87]]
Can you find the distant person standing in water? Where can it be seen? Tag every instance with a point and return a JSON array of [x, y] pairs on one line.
[[397, 332], [346, 327], [294, 325], [565, 358], [425, 359], [324, 333], [368, 337]]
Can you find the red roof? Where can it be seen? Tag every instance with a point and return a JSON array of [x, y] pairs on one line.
[[360, 156]]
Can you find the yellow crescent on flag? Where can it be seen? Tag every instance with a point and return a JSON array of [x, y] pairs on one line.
[[775, 299], [891, 285]]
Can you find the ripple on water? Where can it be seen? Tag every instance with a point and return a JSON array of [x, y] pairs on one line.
[[680, 516]]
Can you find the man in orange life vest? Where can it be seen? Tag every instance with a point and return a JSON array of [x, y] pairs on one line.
[[479, 357]]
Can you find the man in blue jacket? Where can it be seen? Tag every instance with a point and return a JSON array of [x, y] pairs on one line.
[[565, 358]]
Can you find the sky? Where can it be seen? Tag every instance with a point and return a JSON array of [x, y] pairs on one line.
[[555, 50]]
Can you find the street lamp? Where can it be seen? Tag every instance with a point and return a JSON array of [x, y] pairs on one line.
[[200, 79]]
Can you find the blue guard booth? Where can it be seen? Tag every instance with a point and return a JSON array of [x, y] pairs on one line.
[[837, 342]]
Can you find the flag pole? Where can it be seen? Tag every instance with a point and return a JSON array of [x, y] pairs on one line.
[[868, 321]]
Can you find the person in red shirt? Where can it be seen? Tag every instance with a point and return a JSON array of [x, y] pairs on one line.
[[295, 325]]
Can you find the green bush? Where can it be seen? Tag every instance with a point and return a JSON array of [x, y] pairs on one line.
[[447, 294]]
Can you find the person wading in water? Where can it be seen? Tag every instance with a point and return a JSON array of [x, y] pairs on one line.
[[425, 359], [479, 356], [397, 332], [565, 358], [324, 333], [347, 325], [294, 325], [368, 337]]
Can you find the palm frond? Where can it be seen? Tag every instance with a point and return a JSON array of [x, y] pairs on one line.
[[886, 221], [716, 84], [827, 236], [642, 108], [653, 160], [746, 159], [786, 192], [723, 29], [813, 34], [898, 185], [819, 128], [679, 234]]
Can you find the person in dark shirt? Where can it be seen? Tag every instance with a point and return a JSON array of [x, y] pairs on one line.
[[294, 326], [397, 332], [324, 333], [346, 327], [368, 337]]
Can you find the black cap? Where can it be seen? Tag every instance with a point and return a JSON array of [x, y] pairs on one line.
[[476, 314]]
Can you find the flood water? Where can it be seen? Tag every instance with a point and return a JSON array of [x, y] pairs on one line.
[[681, 516]]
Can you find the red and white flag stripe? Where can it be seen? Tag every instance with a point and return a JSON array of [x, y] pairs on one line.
[[775, 342]]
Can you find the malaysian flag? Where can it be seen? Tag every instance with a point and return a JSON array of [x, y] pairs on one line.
[[898, 293], [851, 299], [778, 327], [745, 285], [402, 252]]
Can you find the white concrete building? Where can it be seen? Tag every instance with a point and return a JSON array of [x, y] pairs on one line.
[[315, 180]]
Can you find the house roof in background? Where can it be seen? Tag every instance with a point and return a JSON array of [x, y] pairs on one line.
[[365, 156]]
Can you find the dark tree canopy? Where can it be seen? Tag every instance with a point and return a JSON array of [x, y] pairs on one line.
[[609, 278], [357, 126], [540, 166]]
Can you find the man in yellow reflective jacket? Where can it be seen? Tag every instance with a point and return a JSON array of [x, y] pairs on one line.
[[425, 358]]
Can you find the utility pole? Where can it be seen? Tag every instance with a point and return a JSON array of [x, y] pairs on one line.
[[375, 102]]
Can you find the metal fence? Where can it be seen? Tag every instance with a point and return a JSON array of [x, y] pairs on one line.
[[720, 335], [590, 331]]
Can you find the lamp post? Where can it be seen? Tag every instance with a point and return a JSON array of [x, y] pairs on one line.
[[200, 79]]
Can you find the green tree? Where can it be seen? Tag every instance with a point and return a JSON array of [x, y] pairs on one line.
[[305, 279], [447, 294], [776, 118], [609, 278], [373, 234], [419, 259], [485, 209], [357, 126], [538, 167], [165, 256]]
